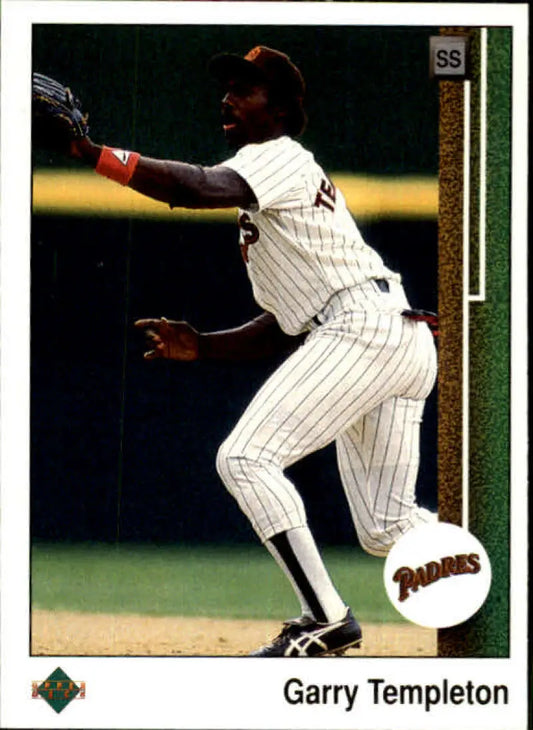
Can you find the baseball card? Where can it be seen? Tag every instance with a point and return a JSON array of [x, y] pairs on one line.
[[264, 365]]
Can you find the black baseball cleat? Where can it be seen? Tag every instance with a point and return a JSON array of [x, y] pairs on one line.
[[305, 637]]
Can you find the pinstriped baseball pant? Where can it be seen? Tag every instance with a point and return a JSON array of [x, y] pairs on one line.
[[360, 380]]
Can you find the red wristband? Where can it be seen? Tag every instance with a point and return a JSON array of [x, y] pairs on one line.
[[117, 165]]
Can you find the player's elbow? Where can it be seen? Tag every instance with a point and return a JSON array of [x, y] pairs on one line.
[[188, 184], [196, 186]]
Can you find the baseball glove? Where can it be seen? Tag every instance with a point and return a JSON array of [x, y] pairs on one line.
[[57, 115]]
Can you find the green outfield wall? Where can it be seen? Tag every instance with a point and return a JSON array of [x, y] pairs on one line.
[[371, 105], [123, 449]]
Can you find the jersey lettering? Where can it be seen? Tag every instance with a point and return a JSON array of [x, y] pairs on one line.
[[297, 259], [326, 195], [250, 234]]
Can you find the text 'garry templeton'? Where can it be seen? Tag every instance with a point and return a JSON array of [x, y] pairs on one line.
[[297, 692]]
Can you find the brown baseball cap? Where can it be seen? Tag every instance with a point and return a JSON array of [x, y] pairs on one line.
[[273, 68]]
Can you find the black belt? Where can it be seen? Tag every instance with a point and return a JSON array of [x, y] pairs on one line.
[[382, 285]]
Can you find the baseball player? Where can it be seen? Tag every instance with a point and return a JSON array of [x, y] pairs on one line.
[[361, 364]]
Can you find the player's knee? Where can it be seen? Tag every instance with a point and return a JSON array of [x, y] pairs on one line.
[[223, 461], [232, 464], [376, 543], [384, 534], [241, 468]]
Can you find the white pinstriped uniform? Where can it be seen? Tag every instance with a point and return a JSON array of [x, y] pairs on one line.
[[362, 375], [307, 251]]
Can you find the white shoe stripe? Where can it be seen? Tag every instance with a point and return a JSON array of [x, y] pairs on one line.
[[302, 644]]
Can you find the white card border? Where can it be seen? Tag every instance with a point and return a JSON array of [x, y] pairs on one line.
[[226, 693]]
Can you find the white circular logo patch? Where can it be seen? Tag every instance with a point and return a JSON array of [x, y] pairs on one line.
[[437, 575]]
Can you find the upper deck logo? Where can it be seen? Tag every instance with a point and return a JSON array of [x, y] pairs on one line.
[[58, 690]]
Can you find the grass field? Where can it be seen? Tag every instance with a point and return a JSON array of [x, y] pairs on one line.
[[211, 581]]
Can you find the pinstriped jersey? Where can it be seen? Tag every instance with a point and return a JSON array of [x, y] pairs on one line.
[[300, 243]]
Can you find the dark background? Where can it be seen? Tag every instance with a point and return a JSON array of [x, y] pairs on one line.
[[122, 449]]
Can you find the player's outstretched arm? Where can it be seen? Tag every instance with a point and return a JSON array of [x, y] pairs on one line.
[[177, 183], [59, 123], [261, 337]]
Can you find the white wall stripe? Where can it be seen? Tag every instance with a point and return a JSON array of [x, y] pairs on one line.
[[466, 303], [481, 294]]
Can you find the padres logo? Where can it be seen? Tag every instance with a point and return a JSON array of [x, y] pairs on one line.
[[410, 579]]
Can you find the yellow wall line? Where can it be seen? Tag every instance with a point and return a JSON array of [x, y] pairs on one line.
[[66, 192]]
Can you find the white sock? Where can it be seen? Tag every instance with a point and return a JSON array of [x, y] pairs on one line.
[[306, 611], [297, 554]]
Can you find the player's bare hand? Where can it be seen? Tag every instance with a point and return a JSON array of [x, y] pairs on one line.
[[85, 149], [169, 339]]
